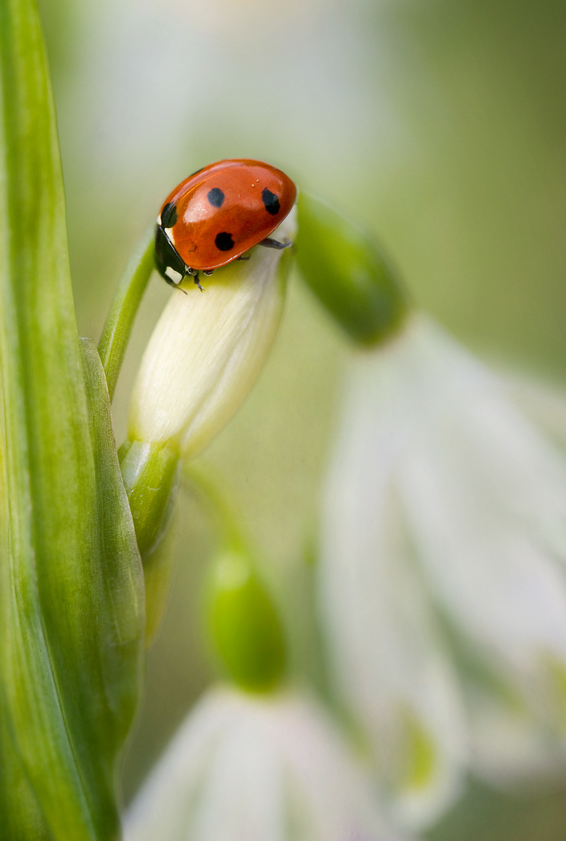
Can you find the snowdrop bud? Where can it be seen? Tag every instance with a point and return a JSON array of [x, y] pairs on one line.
[[244, 625], [345, 268], [208, 348]]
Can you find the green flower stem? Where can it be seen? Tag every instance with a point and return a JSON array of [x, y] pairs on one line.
[[118, 327], [205, 483], [149, 472], [345, 268], [158, 566], [244, 626]]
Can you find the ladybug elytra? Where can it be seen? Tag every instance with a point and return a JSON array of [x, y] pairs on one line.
[[218, 214]]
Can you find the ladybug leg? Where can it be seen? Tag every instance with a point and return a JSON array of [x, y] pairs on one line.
[[206, 273], [244, 257], [268, 242], [194, 274]]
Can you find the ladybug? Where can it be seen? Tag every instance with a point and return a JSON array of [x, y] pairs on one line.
[[217, 214]]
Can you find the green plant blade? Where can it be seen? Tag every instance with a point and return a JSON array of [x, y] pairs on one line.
[[21, 815], [71, 604]]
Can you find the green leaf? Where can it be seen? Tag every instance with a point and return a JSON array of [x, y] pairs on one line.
[[345, 268], [71, 602], [21, 815]]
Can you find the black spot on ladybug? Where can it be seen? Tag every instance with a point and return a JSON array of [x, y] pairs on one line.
[[224, 241], [215, 197], [270, 201], [169, 215]]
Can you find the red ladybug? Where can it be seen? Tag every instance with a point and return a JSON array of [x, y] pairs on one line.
[[217, 214]]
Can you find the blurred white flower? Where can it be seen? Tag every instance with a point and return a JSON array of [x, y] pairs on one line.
[[442, 593], [246, 767]]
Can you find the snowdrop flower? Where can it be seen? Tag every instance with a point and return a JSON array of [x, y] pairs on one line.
[[207, 350], [255, 767], [441, 593], [203, 358], [443, 544]]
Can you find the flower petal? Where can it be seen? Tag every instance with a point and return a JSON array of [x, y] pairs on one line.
[[485, 496], [390, 665], [255, 768]]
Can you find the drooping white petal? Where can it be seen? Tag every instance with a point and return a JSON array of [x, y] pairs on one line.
[[389, 661], [241, 762], [208, 348], [485, 496], [255, 768], [442, 495], [480, 496]]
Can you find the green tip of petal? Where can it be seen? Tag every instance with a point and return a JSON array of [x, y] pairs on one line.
[[244, 625], [421, 762], [344, 267]]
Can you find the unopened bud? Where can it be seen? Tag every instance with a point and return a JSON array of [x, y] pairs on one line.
[[208, 348]]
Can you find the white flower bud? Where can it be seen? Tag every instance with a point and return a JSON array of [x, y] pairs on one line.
[[208, 348]]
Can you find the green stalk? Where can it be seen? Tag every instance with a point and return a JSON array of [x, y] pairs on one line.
[[118, 327], [243, 622]]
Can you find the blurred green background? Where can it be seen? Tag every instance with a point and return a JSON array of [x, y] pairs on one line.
[[440, 124]]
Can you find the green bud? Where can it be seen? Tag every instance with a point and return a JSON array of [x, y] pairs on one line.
[[244, 624], [346, 270]]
